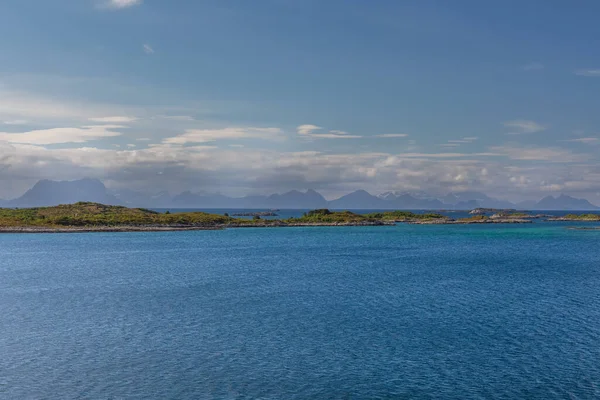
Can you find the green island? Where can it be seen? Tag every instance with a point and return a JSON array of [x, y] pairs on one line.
[[578, 217], [86, 216], [91, 217]]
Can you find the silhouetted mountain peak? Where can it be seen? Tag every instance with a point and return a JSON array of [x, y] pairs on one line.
[[49, 193], [564, 202]]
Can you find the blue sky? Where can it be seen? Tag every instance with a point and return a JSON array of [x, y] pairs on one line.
[[270, 95]]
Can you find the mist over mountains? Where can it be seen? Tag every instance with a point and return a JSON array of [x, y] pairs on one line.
[[49, 193]]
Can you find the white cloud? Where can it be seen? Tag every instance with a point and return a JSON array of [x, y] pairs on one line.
[[549, 154], [584, 140], [588, 72], [212, 135], [16, 122], [392, 135], [242, 170], [457, 142], [524, 126], [148, 49], [114, 120], [34, 108], [119, 4], [143, 139], [309, 130], [177, 117], [61, 135]]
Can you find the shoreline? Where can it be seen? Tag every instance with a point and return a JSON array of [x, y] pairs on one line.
[[87, 217], [274, 224], [175, 228]]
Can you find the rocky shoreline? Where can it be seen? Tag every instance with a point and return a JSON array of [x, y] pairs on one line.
[[471, 221], [86, 217], [569, 219], [89, 229], [270, 224]]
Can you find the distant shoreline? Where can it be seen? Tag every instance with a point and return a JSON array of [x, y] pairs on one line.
[[270, 224], [85, 217]]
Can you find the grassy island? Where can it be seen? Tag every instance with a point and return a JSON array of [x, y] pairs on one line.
[[407, 216], [86, 216], [578, 217], [327, 216]]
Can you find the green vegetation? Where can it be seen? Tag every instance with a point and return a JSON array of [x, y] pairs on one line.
[[518, 215], [583, 217], [93, 214], [330, 217], [474, 218], [404, 216]]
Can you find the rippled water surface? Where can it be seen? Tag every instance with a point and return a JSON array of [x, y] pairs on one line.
[[421, 312]]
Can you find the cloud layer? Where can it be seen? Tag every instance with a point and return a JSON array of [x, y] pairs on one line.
[[119, 4]]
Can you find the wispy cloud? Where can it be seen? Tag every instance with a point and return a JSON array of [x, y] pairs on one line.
[[584, 140], [550, 154], [120, 4], [16, 122], [114, 119], [524, 126], [212, 135], [588, 72], [177, 117], [458, 142], [392, 135], [62, 135], [148, 49], [533, 66], [309, 130]]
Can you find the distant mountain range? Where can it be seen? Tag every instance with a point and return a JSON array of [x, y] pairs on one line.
[[48, 193]]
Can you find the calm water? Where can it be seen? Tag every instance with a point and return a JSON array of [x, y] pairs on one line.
[[423, 312]]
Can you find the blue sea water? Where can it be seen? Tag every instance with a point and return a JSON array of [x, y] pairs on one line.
[[395, 312]]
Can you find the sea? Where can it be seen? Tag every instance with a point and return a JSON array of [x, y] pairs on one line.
[[389, 312]]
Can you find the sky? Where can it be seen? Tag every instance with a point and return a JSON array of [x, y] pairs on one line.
[[245, 97]]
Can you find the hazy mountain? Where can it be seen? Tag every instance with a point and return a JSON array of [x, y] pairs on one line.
[[293, 199], [138, 199], [465, 205], [564, 202], [462, 200], [359, 199], [458, 200], [51, 193], [47, 193], [526, 205], [414, 194], [194, 200], [255, 201], [296, 199], [407, 201]]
